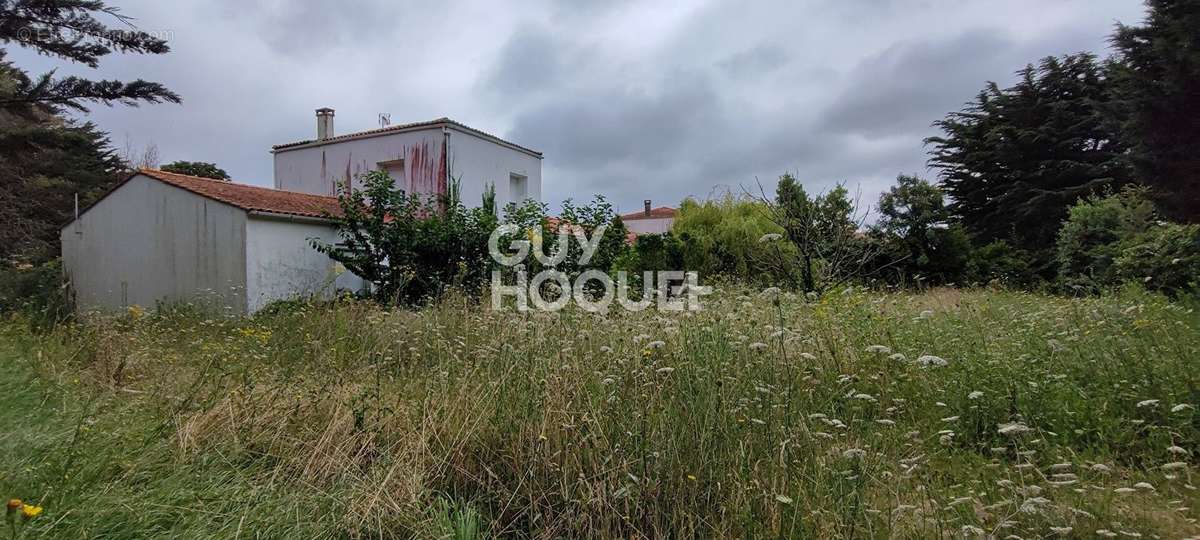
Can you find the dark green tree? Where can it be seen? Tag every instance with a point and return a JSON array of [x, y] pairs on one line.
[[1157, 79], [69, 29], [919, 235], [821, 228], [197, 168], [1015, 159]]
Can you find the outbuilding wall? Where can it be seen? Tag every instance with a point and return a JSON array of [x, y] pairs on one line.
[[281, 263], [148, 242]]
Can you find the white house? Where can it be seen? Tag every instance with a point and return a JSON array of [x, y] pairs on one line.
[[159, 237], [650, 220], [422, 157]]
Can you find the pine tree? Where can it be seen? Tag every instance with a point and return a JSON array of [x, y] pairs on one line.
[[1015, 159], [68, 29], [1158, 82]]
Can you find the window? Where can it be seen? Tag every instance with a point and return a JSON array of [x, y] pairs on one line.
[[518, 187], [395, 169]]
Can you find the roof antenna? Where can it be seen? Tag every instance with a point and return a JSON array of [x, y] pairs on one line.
[[385, 119]]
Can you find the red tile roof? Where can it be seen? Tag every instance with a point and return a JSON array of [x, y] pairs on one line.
[[250, 198], [655, 213], [437, 123]]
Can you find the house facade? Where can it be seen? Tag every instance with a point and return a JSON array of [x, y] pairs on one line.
[[164, 238], [422, 158]]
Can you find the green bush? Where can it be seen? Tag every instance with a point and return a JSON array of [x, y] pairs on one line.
[[38, 293], [1095, 233], [1165, 259], [1002, 263], [722, 237]]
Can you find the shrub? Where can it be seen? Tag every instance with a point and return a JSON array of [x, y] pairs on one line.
[[38, 293], [721, 237], [411, 247], [1000, 262], [1165, 259], [1096, 231]]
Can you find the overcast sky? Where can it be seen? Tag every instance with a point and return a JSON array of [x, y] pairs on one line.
[[633, 100]]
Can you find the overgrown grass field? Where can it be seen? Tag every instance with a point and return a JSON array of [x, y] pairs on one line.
[[862, 414]]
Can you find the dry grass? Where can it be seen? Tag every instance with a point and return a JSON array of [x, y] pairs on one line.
[[746, 420]]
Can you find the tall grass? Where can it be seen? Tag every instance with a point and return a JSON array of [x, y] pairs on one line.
[[762, 415]]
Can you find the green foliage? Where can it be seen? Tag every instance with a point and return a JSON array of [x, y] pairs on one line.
[[1166, 259], [920, 244], [1157, 82], [38, 293], [720, 237], [820, 228], [1096, 231], [1015, 159], [998, 262], [68, 29], [197, 168], [47, 162], [412, 248]]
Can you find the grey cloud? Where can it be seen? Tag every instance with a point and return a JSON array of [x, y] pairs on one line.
[[911, 85], [761, 59]]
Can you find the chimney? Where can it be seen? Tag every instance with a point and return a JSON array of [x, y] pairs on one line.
[[324, 123], [647, 203]]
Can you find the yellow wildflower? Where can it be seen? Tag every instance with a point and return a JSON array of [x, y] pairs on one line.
[[29, 511]]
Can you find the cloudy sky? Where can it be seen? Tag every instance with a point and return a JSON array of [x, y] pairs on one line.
[[633, 100]]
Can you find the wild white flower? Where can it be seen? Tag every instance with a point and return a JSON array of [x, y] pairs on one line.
[[1181, 407], [769, 237], [769, 292], [665, 370], [1144, 485], [1101, 468], [879, 349], [1012, 428], [656, 344], [808, 356], [1147, 403], [640, 338], [931, 360], [854, 453], [758, 346], [971, 530], [899, 357], [1105, 533], [975, 395], [1174, 465], [950, 419], [926, 314], [759, 422], [885, 422], [865, 397], [783, 499], [1062, 531], [606, 349], [607, 381], [1124, 490], [1176, 450]]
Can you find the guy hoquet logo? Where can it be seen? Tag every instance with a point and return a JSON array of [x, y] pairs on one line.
[[669, 290]]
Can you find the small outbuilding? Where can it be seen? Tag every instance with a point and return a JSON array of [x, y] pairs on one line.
[[162, 238]]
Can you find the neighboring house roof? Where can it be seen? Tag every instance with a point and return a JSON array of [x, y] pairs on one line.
[[655, 213], [246, 197], [440, 122]]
